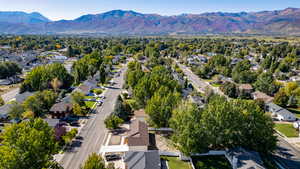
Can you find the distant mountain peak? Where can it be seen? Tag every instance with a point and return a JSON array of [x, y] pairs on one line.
[[22, 17], [128, 22], [121, 13]]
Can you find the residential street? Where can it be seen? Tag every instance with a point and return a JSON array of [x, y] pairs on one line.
[[287, 155], [94, 131], [198, 83]]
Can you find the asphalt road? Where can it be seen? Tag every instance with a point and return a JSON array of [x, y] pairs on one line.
[[287, 155], [198, 83], [94, 131]]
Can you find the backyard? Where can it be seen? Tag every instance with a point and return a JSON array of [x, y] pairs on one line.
[[287, 129], [211, 162], [176, 163]]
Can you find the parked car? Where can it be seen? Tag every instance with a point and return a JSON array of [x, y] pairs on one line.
[[112, 157], [74, 123], [69, 119], [102, 97]]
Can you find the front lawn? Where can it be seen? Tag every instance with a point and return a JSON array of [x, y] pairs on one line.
[[287, 129], [216, 85], [89, 104], [211, 162], [176, 163]]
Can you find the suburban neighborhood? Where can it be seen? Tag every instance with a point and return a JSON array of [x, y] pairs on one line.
[[129, 90]]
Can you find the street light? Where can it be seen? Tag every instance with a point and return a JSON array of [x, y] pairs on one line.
[[297, 126]]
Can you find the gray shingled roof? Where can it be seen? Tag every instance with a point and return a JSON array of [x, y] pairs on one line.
[[279, 110], [142, 160], [4, 110], [20, 98], [242, 159], [52, 122]]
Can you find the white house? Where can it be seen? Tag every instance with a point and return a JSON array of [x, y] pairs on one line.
[[280, 113]]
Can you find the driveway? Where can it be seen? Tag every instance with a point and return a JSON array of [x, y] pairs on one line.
[[287, 155], [10, 95]]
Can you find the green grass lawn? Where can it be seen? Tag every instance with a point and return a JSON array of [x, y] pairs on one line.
[[296, 111], [175, 163], [287, 129], [211, 162], [89, 104], [216, 85]]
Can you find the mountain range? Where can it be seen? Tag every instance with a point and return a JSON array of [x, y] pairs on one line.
[[120, 22]]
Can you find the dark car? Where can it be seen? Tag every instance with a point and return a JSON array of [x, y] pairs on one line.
[[112, 157], [69, 119], [74, 123]]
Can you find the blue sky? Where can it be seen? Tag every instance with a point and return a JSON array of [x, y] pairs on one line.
[[70, 9]]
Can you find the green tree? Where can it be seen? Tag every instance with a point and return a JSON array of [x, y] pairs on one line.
[[103, 73], [160, 106], [41, 102], [229, 89], [281, 98], [94, 161], [77, 98], [289, 95], [265, 83], [28, 145], [40, 77], [113, 122], [123, 109], [69, 136], [16, 111], [1, 101], [8, 69], [78, 110], [223, 124]]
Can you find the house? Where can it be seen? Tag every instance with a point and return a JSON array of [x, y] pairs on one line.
[[234, 61], [198, 100], [142, 160], [5, 82], [4, 111], [59, 128], [60, 110], [83, 89], [295, 78], [11, 80], [262, 96], [280, 113], [86, 87], [141, 115], [239, 158], [138, 137], [246, 88]]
